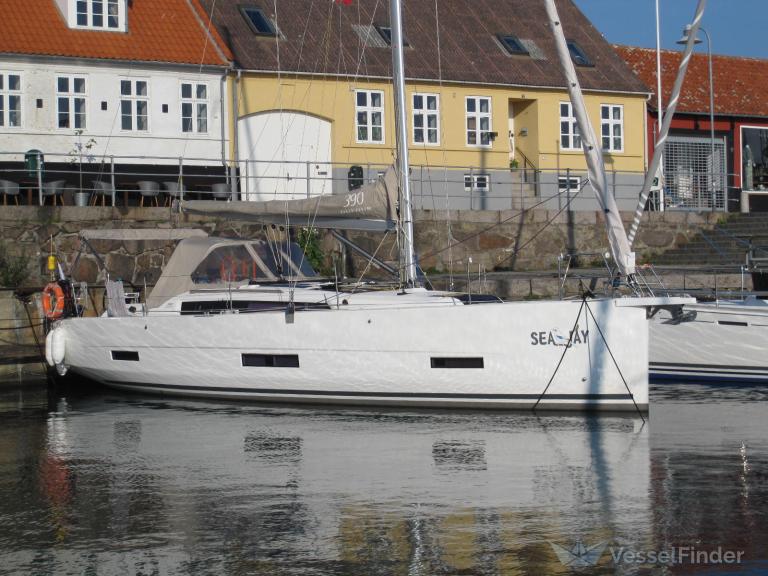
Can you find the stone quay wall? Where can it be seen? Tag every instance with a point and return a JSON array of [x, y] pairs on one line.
[[494, 240]]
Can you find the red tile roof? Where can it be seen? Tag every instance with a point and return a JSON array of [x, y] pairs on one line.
[[741, 84], [171, 31]]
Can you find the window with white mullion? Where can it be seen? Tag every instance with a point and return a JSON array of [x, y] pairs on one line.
[[478, 115], [10, 99], [477, 182], [102, 14], [71, 102], [612, 127], [426, 119], [134, 105], [369, 116], [570, 138], [194, 107]]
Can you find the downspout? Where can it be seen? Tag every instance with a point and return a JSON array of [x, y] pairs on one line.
[[645, 132], [235, 164], [224, 118]]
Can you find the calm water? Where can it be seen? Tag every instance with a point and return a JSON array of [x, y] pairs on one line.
[[103, 483]]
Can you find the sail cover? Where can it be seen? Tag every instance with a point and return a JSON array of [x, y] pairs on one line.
[[370, 207]]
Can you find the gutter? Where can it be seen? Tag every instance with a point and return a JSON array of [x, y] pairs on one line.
[[446, 82], [237, 185]]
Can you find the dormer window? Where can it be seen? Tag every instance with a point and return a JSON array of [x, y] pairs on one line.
[[107, 15]]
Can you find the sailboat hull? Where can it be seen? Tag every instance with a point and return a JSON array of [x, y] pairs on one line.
[[496, 356], [723, 342]]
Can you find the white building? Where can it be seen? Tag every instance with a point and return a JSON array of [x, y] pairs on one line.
[[111, 83]]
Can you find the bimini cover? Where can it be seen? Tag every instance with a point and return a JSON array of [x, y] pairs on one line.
[[370, 207]]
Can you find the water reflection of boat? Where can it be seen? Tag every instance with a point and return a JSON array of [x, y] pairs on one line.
[[344, 491]]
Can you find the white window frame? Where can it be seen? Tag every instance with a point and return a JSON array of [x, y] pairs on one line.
[[478, 118], [105, 15], [472, 182], [133, 99], [573, 128], [612, 123], [369, 110], [6, 94], [562, 183], [424, 114], [72, 97], [195, 102]]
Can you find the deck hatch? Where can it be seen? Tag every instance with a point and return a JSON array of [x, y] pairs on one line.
[[126, 355], [457, 362], [271, 360]]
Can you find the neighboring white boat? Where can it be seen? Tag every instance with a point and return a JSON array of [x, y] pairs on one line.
[[722, 341], [204, 335]]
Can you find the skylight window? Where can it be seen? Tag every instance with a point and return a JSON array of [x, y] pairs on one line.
[[578, 55], [258, 21], [386, 34], [512, 45]]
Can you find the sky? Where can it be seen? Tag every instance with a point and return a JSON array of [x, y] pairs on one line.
[[736, 27]]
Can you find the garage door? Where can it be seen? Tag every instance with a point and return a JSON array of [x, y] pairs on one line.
[[284, 155]]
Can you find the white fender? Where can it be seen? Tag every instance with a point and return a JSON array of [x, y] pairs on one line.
[[58, 346], [48, 346]]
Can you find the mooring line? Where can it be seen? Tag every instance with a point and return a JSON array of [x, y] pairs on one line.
[[607, 347], [562, 357]]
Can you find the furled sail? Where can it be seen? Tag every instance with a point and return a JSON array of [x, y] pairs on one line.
[[617, 236], [371, 207]]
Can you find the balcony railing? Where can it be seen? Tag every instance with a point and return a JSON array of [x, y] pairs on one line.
[[41, 179]]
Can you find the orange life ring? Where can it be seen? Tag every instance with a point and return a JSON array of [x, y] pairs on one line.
[[53, 301]]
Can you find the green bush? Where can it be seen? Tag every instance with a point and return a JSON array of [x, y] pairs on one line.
[[309, 241], [14, 270]]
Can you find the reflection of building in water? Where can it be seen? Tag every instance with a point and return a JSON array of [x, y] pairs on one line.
[[191, 486], [709, 484]]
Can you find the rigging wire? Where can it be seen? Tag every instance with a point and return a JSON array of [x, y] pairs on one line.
[[513, 217]]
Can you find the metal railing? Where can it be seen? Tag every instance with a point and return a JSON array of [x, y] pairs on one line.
[[116, 180]]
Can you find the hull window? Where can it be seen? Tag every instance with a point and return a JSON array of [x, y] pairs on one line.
[[731, 323], [457, 362], [271, 360], [125, 355]]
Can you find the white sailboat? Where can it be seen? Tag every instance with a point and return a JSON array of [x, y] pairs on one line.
[[722, 341], [304, 342]]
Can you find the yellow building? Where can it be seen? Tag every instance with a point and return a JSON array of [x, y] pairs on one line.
[[490, 122]]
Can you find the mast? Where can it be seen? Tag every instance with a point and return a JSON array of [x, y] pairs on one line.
[[617, 236], [407, 255]]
